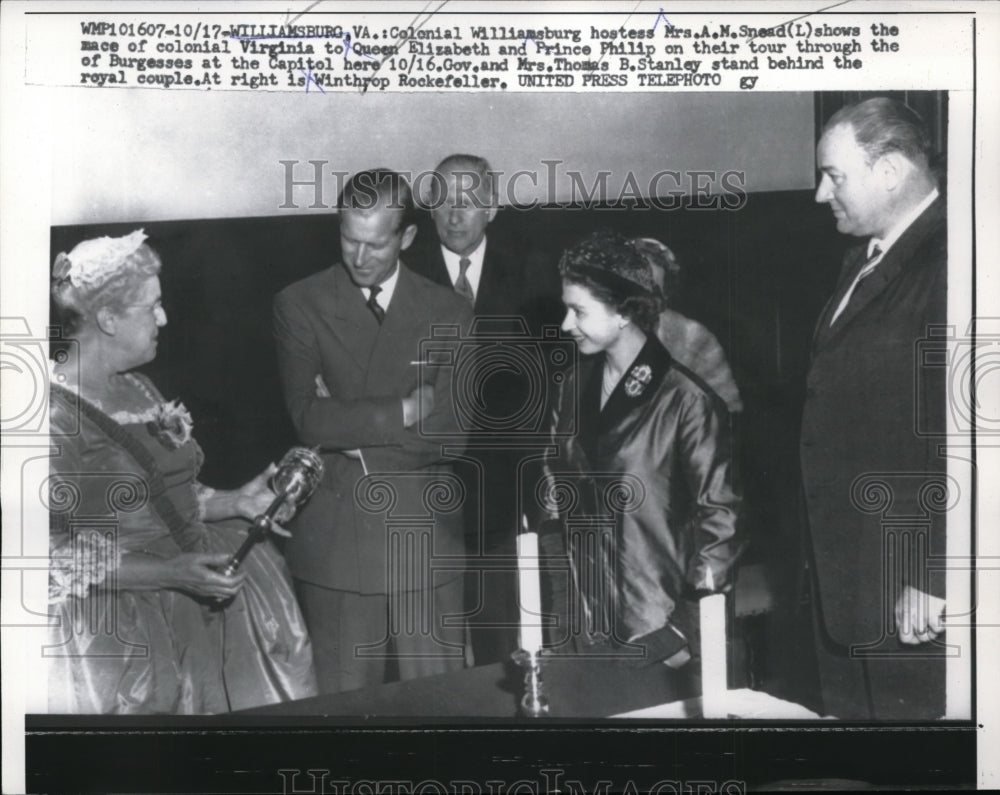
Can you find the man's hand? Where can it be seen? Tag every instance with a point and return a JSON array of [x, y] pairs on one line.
[[919, 616], [417, 405]]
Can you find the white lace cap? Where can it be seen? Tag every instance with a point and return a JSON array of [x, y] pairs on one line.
[[93, 262]]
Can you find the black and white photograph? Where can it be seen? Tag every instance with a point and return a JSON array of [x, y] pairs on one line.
[[491, 398]]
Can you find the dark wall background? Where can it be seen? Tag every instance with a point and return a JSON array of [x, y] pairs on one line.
[[756, 277]]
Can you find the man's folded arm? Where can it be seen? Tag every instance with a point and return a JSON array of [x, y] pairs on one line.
[[421, 443], [333, 423]]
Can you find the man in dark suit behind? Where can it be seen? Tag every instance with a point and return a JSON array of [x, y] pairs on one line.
[[869, 471], [514, 292], [349, 354]]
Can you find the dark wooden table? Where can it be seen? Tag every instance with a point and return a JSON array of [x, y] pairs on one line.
[[585, 687]]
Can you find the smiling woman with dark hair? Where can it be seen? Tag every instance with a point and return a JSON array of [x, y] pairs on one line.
[[652, 450], [145, 621]]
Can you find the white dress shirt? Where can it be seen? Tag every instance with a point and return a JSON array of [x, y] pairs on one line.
[[475, 270], [883, 245], [388, 288]]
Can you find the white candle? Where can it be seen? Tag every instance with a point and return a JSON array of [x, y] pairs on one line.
[[529, 591], [713, 653]]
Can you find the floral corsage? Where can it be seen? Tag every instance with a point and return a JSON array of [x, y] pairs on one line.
[[77, 564], [637, 380], [171, 425]]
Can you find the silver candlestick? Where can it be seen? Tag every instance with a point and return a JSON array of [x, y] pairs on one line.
[[534, 702]]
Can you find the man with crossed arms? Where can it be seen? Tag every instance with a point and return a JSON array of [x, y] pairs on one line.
[[374, 607]]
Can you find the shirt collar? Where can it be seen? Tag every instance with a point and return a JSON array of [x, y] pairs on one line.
[[452, 260], [388, 288], [902, 225]]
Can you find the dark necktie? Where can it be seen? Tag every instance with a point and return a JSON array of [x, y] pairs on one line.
[[462, 286], [374, 305], [867, 270]]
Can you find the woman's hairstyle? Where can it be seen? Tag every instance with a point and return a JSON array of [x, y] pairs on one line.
[[105, 272], [610, 266], [666, 268]]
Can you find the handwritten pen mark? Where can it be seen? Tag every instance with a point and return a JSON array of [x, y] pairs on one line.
[[308, 8], [311, 79], [403, 39], [662, 16], [347, 48], [625, 22], [632, 13], [811, 13], [268, 36]]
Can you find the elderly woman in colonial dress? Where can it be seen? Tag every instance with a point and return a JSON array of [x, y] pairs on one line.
[[641, 508], [146, 622]]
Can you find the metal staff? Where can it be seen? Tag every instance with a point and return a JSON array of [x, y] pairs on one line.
[[298, 475]]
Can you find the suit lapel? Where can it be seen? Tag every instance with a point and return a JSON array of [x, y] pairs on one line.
[[397, 340], [492, 281], [351, 320], [639, 383], [886, 272], [438, 270], [854, 261], [867, 289]]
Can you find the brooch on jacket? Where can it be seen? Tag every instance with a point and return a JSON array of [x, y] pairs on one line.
[[638, 379], [171, 425]]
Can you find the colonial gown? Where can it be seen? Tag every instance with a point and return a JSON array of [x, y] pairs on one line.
[[155, 651]]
